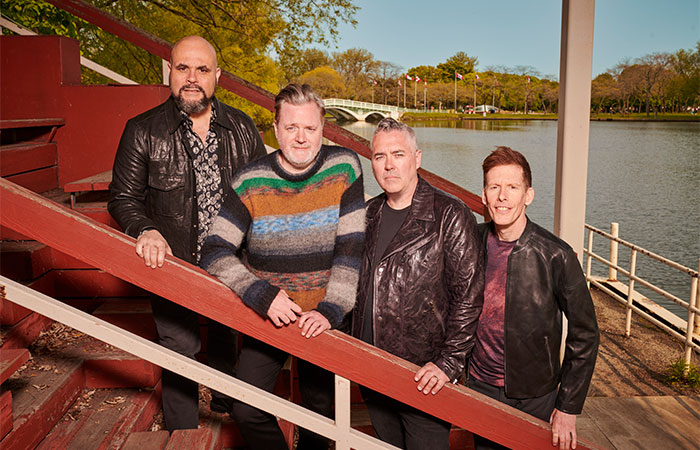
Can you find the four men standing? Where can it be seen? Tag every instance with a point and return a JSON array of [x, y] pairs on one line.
[[286, 232]]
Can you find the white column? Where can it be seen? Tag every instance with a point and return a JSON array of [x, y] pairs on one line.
[[573, 125]]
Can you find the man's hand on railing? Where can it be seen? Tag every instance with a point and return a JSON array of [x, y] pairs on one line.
[[152, 247], [313, 323], [283, 310], [563, 430], [430, 379]]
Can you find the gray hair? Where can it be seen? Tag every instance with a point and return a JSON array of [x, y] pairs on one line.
[[387, 125], [297, 95]]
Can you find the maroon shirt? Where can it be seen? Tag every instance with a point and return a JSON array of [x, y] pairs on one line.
[[487, 361]]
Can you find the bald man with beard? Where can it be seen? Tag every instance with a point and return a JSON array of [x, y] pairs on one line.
[[169, 173]]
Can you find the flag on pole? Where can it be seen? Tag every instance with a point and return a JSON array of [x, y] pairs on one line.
[[458, 76], [373, 82], [417, 79], [425, 83], [528, 78], [399, 82], [408, 77], [477, 76]]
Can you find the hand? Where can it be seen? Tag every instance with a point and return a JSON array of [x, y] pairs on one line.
[[430, 377], [313, 323], [152, 247], [563, 429], [283, 310]]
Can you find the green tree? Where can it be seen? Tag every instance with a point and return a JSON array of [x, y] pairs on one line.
[[325, 81], [460, 62], [355, 66]]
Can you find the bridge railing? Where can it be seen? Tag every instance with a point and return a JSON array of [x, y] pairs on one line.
[[367, 105]]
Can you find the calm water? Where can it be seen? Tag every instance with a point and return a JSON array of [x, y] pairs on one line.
[[645, 176]]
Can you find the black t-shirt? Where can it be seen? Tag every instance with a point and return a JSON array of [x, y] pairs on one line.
[[389, 225]]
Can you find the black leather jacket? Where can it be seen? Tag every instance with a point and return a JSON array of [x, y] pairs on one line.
[[428, 286], [545, 280], [153, 179]]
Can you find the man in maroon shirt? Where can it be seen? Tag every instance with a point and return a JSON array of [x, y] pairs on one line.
[[533, 278]]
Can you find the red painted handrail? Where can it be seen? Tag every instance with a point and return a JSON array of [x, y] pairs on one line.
[[243, 88], [103, 247]]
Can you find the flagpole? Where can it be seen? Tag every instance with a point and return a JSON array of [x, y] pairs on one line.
[[415, 93], [455, 91], [404, 93], [425, 88], [475, 92]]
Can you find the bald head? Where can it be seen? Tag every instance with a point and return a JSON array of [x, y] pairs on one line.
[[194, 43], [193, 74]]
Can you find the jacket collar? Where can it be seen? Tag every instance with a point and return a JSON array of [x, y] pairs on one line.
[[522, 240], [174, 118]]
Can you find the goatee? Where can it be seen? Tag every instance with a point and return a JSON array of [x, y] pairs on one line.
[[192, 107]]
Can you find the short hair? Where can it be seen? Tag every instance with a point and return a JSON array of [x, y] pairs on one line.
[[295, 94], [506, 156], [387, 125]]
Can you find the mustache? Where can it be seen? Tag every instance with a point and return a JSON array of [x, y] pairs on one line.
[[191, 86]]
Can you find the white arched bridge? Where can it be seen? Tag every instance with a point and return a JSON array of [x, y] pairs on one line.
[[343, 109]]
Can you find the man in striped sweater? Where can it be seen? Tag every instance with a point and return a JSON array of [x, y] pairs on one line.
[[296, 218]]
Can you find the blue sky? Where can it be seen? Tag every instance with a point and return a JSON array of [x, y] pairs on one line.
[[516, 32]]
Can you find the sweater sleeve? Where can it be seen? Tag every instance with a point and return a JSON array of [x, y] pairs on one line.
[[347, 254], [220, 255]]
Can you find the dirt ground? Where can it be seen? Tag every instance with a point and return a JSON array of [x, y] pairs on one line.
[[636, 365]]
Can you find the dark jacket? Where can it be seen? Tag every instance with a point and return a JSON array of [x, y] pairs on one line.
[[153, 182], [428, 286], [545, 280]]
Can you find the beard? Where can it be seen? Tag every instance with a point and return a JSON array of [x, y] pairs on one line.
[[192, 106]]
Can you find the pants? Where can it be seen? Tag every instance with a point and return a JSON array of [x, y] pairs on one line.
[[178, 330], [540, 407], [404, 426], [259, 364]]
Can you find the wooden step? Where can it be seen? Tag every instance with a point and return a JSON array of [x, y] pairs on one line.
[[22, 333], [131, 314], [102, 419], [39, 181], [11, 360], [41, 395], [146, 440], [24, 260], [26, 157]]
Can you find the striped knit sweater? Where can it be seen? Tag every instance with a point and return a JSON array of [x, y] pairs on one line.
[[301, 233]]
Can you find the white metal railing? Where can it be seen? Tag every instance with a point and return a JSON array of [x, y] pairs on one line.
[[338, 430], [691, 335]]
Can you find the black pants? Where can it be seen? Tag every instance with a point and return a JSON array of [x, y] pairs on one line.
[[404, 426], [178, 330], [540, 407], [259, 364]]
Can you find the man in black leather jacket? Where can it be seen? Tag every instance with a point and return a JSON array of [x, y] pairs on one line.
[[421, 285], [533, 278], [171, 168]]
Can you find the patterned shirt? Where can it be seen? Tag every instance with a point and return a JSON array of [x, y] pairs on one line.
[[207, 176]]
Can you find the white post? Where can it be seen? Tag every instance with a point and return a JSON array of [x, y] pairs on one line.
[[589, 259], [576, 66], [630, 290], [615, 231], [573, 124], [166, 73], [693, 321], [342, 411]]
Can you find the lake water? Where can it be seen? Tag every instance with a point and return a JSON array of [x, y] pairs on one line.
[[643, 175]]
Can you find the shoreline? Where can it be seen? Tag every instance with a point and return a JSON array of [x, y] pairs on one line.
[[461, 117]]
